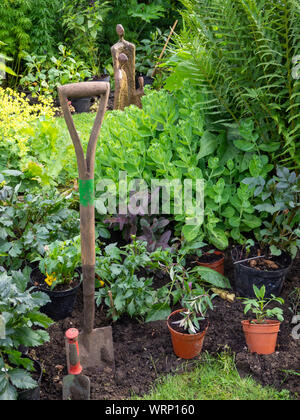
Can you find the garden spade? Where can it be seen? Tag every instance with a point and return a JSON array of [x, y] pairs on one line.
[[95, 345], [75, 385]]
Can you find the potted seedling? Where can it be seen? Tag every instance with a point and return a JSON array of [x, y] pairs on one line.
[[262, 331], [58, 275], [188, 325], [267, 261]]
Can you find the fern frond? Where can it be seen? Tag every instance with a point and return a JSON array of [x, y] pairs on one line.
[[246, 64]]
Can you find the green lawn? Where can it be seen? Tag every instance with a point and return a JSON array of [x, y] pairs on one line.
[[83, 123], [212, 379]]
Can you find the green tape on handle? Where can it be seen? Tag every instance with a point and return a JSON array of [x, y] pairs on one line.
[[86, 192]]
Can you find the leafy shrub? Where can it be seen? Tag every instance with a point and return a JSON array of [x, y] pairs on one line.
[[138, 19], [14, 28], [126, 288], [82, 22], [243, 55], [279, 198], [16, 115], [148, 51], [45, 32], [44, 73], [24, 326], [60, 262], [29, 222], [170, 138], [123, 291], [31, 142]]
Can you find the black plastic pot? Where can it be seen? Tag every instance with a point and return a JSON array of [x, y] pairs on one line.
[[81, 105], [32, 394], [62, 302], [246, 277]]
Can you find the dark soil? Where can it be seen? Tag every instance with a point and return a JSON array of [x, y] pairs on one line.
[[267, 262], [143, 351]]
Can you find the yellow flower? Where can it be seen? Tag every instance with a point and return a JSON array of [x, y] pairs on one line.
[[101, 283], [16, 114], [50, 279]]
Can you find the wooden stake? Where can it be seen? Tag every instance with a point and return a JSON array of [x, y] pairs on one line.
[[164, 48]]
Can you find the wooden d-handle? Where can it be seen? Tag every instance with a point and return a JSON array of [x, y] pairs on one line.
[[84, 89]]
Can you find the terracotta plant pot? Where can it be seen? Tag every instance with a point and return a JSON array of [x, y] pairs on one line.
[[217, 265], [186, 346], [261, 338]]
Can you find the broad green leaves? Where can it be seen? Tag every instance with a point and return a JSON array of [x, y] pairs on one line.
[[24, 326], [212, 277], [277, 198], [208, 144]]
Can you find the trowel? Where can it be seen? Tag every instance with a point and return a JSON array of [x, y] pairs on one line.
[[76, 386]]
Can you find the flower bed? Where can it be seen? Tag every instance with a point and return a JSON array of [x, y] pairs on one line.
[[143, 351]]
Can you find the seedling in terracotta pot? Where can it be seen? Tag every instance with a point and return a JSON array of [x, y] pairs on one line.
[[195, 304], [261, 333], [259, 305], [188, 342]]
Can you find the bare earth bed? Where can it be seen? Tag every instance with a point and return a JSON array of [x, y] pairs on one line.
[[143, 351]]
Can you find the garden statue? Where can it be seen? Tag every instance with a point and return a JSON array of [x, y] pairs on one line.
[[123, 55]]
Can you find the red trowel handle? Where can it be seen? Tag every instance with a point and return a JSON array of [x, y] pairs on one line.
[[75, 367]]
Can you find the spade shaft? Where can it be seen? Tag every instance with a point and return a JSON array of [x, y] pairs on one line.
[[90, 339]]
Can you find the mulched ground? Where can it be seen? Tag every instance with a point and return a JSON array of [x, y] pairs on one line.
[[144, 352]]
